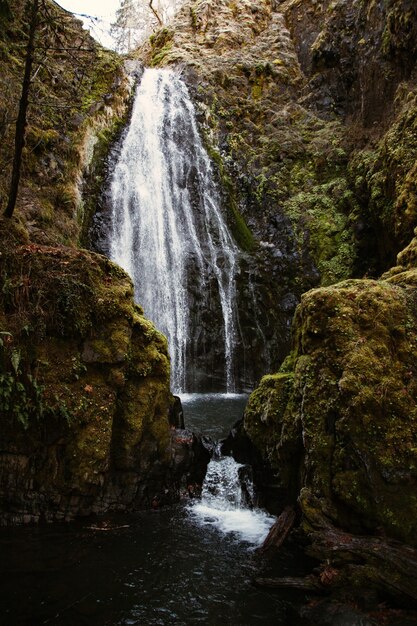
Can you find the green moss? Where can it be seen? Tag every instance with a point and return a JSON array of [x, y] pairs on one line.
[[265, 411], [352, 395], [161, 43], [241, 233], [322, 221], [384, 175], [107, 65]]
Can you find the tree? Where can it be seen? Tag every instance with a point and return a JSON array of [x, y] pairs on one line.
[[137, 19], [155, 12], [42, 20], [23, 107], [128, 26]]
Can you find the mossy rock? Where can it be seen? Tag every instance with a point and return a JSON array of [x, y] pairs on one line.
[[353, 403], [84, 386]]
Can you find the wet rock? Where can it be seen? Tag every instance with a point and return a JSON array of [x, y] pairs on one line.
[[239, 445], [338, 418], [87, 429], [190, 455], [176, 414]]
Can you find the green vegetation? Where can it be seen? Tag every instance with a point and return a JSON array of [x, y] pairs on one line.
[[79, 366], [351, 400], [79, 92], [384, 173]]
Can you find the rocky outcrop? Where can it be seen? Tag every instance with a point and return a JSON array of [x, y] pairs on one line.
[[315, 158], [339, 417], [84, 377], [82, 96], [337, 425], [84, 394]]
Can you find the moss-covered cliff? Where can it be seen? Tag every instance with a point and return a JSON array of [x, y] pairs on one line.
[[84, 377], [345, 402], [84, 394], [312, 105], [78, 98], [307, 108]]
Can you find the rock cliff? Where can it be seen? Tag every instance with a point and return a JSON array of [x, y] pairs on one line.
[[310, 107], [84, 377], [84, 388]]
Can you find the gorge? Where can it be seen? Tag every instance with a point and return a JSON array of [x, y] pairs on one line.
[[260, 191]]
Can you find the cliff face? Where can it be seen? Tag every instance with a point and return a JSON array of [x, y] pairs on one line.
[[84, 377], [312, 108], [308, 109], [339, 417], [78, 99], [84, 388]]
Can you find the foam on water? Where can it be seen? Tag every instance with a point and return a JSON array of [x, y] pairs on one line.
[[251, 526], [227, 503]]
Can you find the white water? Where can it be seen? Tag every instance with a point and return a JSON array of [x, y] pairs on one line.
[[224, 505], [166, 221]]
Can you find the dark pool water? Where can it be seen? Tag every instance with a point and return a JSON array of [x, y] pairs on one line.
[[154, 568], [213, 414]]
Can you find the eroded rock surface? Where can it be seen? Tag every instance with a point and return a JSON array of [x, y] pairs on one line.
[[85, 397]]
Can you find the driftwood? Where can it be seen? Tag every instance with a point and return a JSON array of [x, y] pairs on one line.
[[308, 583], [279, 531], [362, 560]]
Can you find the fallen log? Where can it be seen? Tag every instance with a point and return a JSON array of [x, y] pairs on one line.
[[279, 531], [308, 583]]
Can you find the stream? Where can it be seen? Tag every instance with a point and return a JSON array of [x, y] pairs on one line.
[[192, 563]]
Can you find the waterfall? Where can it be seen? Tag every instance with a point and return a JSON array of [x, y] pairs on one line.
[[228, 502], [167, 229]]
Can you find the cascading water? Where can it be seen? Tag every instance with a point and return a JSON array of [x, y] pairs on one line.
[[167, 229], [227, 502], [169, 235]]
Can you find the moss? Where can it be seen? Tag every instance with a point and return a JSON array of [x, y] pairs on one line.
[[322, 221], [161, 43], [265, 413], [80, 89], [384, 176], [353, 396], [92, 378], [237, 224]]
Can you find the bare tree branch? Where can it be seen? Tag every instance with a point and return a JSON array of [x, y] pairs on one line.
[[155, 12]]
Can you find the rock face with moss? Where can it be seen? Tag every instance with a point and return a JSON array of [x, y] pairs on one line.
[[316, 161], [340, 417], [81, 93], [84, 395], [84, 377]]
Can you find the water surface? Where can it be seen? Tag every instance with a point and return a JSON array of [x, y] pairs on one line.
[[213, 414], [175, 565]]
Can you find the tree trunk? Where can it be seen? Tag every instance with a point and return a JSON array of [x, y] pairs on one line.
[[23, 107], [155, 12], [279, 531]]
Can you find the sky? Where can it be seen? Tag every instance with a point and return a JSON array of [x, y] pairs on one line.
[[103, 9]]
